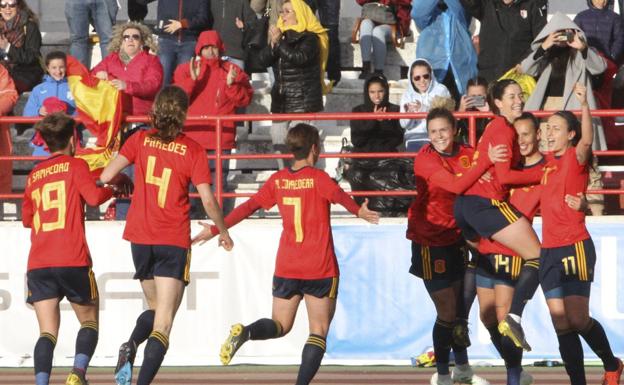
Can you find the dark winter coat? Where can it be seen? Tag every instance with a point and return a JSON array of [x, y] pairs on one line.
[[24, 62], [224, 14], [603, 29], [194, 15], [295, 61], [506, 32]]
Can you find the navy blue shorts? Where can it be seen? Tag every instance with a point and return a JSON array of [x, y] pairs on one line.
[[439, 266], [77, 284], [482, 217], [567, 270], [161, 261], [288, 287], [498, 269]]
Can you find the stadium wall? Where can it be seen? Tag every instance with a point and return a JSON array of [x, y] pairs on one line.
[[383, 315]]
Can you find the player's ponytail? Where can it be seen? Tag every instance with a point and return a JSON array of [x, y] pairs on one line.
[[169, 113]]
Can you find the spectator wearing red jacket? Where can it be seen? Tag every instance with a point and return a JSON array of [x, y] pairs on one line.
[[8, 98]]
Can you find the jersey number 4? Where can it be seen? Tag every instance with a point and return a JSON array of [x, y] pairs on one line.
[[162, 181], [50, 196]]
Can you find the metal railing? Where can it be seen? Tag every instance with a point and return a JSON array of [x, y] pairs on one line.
[[471, 117]]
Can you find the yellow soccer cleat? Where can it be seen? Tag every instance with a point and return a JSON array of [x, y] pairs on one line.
[[76, 378], [238, 336], [512, 329]]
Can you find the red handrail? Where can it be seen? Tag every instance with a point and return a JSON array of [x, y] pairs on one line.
[[219, 156]]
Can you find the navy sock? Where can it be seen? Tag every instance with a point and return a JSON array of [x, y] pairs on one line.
[[311, 358], [442, 339], [461, 355], [596, 338], [495, 337], [527, 284], [143, 327], [155, 349], [513, 360], [44, 351], [572, 355], [86, 341], [469, 293], [264, 329], [513, 375]]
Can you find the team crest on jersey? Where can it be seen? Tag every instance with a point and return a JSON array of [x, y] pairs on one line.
[[439, 266], [524, 13], [464, 161]]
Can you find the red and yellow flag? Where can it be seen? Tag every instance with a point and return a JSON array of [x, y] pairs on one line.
[[99, 108]]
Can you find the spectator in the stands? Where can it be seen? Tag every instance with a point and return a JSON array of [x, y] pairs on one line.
[[297, 51], [423, 88], [329, 16], [507, 29], [475, 99], [445, 42], [230, 19], [131, 67], [560, 58], [54, 85], [374, 37], [20, 44], [80, 14], [381, 135], [602, 27], [214, 87], [178, 24], [8, 98]]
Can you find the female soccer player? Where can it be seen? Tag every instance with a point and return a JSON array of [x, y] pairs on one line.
[[306, 266], [158, 225], [568, 256], [59, 263], [483, 212], [438, 250]]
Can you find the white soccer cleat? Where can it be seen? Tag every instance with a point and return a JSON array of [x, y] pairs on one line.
[[442, 379], [463, 374]]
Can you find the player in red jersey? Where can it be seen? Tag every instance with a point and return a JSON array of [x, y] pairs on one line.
[[306, 266], [484, 212], [438, 250], [568, 256], [59, 263], [158, 224]]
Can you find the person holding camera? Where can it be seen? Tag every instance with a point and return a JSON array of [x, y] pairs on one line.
[[475, 99]]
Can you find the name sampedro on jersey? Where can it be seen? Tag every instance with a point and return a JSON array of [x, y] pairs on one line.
[[53, 207], [159, 211]]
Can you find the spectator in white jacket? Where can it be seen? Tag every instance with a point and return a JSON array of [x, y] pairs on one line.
[[423, 88]]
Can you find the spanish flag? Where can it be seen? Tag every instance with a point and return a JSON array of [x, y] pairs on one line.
[[99, 108]]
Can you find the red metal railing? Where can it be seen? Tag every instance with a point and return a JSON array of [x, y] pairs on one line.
[[219, 156]]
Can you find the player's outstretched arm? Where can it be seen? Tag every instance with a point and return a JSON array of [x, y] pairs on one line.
[[214, 212], [241, 212], [368, 215], [584, 146], [113, 168]]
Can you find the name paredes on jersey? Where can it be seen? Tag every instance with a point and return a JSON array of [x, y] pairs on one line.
[[44, 172], [177, 148], [296, 184]]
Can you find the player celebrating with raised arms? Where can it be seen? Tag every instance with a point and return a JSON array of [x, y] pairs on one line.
[[306, 266], [59, 263], [158, 224], [568, 256]]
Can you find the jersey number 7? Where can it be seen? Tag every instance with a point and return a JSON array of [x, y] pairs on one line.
[[296, 203]]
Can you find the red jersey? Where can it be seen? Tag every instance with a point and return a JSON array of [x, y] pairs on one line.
[[53, 207], [524, 199], [430, 217], [500, 131], [303, 197], [562, 225], [159, 211]]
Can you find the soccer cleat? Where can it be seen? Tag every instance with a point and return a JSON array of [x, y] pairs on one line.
[[512, 329], [234, 341], [441, 379], [76, 378], [461, 335], [463, 374], [526, 378], [123, 371], [613, 378]]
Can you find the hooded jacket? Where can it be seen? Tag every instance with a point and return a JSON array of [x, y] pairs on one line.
[[445, 40], [143, 76], [210, 94], [506, 32], [418, 127], [376, 135], [603, 29], [48, 88], [579, 70]]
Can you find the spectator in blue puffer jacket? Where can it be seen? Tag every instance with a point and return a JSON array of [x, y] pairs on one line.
[[54, 85], [602, 27]]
